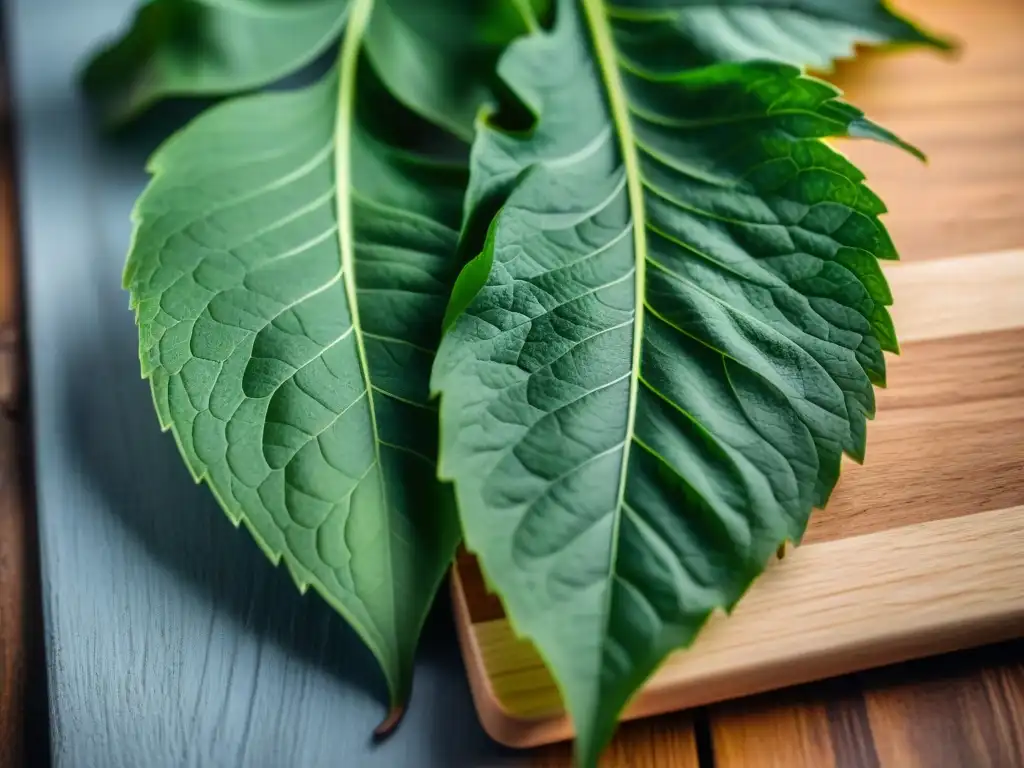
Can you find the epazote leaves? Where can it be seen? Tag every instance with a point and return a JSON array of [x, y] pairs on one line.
[[436, 58], [290, 269], [651, 370], [666, 345]]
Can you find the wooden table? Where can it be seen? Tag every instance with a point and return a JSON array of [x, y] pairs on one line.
[[22, 679], [965, 709]]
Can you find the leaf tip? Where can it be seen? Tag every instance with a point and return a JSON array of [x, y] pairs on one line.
[[387, 727], [862, 128], [944, 43]]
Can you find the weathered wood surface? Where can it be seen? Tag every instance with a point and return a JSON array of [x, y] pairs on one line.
[[17, 570]]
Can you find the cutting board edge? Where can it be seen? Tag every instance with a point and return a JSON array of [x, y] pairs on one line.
[[996, 615]]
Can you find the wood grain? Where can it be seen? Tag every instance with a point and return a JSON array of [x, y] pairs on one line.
[[952, 406], [966, 112], [17, 563], [957, 296], [795, 730], [15, 571], [664, 742], [949, 711]]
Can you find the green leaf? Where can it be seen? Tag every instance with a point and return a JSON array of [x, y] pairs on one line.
[[810, 33], [439, 57], [668, 341], [179, 48], [291, 264]]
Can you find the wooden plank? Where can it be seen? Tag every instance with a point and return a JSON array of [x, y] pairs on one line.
[[952, 405], [966, 711], [16, 571], [957, 296], [966, 112], [951, 711], [659, 742], [17, 564], [751, 733]]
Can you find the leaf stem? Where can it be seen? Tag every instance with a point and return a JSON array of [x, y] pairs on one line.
[[608, 60]]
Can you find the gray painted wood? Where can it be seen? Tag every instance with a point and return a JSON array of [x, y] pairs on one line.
[[171, 641]]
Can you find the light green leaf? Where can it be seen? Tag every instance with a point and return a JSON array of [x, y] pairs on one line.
[[668, 341], [810, 33], [179, 48], [291, 264]]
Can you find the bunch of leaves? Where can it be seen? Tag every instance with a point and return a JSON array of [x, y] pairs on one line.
[[608, 233]]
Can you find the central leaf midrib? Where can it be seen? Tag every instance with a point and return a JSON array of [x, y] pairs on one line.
[[347, 68], [604, 50]]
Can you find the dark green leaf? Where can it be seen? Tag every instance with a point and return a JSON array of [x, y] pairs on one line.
[[290, 268], [208, 48], [809, 33], [666, 345], [439, 57]]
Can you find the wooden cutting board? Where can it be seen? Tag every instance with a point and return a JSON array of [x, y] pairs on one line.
[[921, 550]]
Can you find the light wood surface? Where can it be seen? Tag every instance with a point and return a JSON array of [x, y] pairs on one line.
[[966, 112], [900, 560], [953, 297]]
